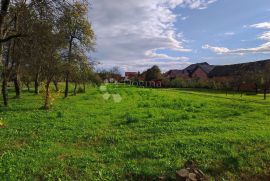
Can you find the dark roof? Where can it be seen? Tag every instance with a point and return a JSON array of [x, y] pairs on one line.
[[237, 69], [204, 66], [131, 73], [174, 73], [207, 68], [190, 69]]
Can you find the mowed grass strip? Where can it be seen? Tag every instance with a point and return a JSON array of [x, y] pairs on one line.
[[150, 133]]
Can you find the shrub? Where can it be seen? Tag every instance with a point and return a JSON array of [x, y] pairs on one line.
[[2, 124], [60, 114], [130, 119], [178, 82], [80, 90], [165, 82]]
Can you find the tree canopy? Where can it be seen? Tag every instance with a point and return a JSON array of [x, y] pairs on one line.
[[153, 73], [44, 41]]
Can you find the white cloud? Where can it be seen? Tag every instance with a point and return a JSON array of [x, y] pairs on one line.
[[264, 25], [229, 33], [263, 48], [199, 4], [184, 18], [142, 65], [153, 54], [127, 29], [218, 50], [192, 4], [265, 36]]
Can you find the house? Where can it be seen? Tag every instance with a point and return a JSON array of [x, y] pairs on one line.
[[225, 71], [199, 70], [244, 75], [173, 74], [130, 76], [114, 78], [220, 73]]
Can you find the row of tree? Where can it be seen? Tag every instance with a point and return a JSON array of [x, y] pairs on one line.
[[45, 41]]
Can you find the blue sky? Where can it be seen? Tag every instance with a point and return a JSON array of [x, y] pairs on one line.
[[134, 35]]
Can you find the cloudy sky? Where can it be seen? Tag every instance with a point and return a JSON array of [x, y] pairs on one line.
[[136, 34]]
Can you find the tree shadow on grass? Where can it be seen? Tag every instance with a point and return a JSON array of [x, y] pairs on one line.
[[18, 109], [141, 177], [219, 94], [232, 165], [248, 177]]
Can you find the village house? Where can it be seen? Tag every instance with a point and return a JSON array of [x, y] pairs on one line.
[[114, 79], [254, 73], [244, 76], [199, 70], [222, 72], [130, 76], [173, 74]]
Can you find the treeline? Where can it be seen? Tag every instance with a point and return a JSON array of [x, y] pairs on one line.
[[252, 82], [239, 84], [44, 42]]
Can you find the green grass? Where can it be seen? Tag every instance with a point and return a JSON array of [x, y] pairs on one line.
[[150, 133]]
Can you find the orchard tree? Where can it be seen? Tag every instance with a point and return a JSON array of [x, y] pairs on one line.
[[153, 73], [9, 28], [78, 33], [7, 31], [20, 52], [52, 64], [39, 40]]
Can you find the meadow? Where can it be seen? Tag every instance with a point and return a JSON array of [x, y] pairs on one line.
[[129, 133]]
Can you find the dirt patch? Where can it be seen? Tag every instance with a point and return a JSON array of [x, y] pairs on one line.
[[2, 125], [259, 177], [137, 177]]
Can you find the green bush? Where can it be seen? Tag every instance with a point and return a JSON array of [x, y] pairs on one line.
[[80, 90]]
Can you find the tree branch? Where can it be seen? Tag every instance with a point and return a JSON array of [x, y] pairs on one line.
[[11, 37]]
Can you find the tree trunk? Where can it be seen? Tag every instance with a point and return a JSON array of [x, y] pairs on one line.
[[256, 87], [56, 85], [264, 92], [5, 75], [37, 84], [75, 89], [4, 11], [84, 89], [67, 82], [28, 87], [69, 59], [17, 87], [5, 91], [47, 96]]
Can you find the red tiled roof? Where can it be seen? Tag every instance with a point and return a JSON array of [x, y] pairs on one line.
[[131, 74]]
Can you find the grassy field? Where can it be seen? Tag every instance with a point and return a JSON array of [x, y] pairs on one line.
[[145, 134]]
